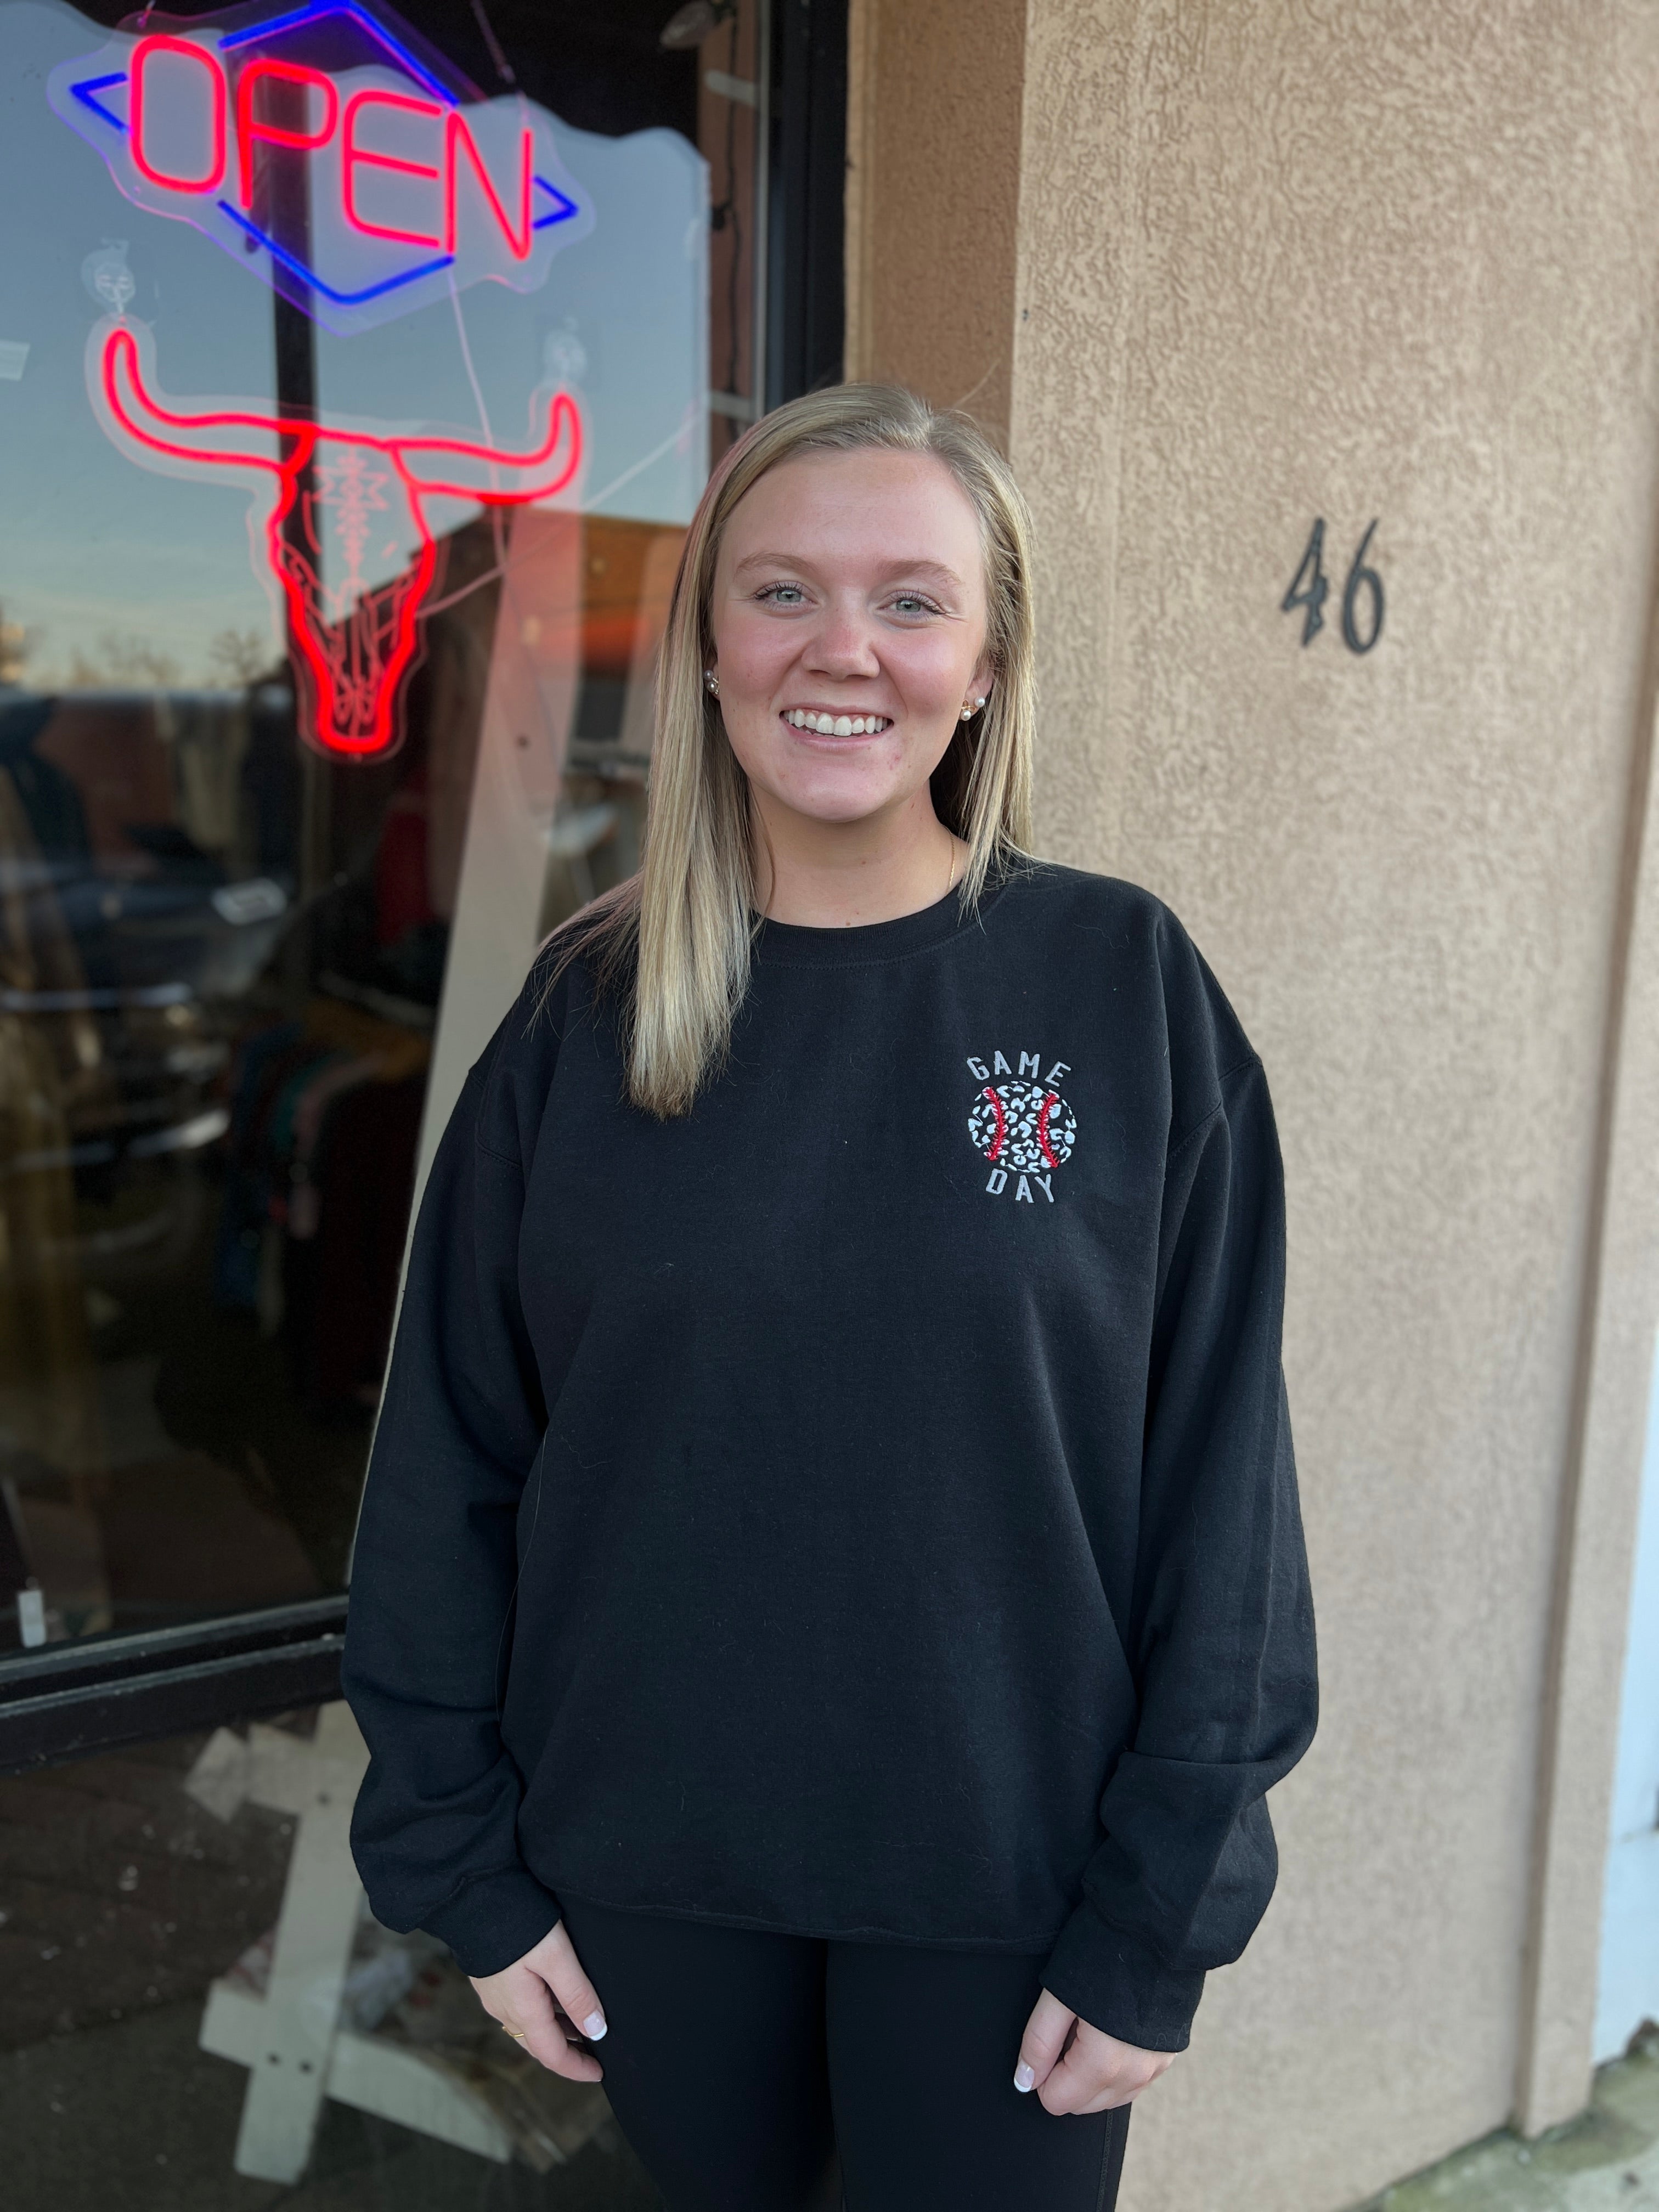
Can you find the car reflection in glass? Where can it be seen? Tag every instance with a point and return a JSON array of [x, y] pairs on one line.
[[113, 961]]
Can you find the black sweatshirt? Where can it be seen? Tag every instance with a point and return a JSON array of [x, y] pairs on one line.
[[864, 1508]]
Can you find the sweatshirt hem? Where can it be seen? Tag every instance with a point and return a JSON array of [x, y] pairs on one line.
[[1033, 1946]]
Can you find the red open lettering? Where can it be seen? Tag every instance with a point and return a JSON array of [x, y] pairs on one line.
[[457, 136], [248, 127], [143, 54], [459, 143], [354, 157]]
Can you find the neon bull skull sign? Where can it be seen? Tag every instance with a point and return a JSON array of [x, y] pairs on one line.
[[335, 154], [319, 489], [413, 184]]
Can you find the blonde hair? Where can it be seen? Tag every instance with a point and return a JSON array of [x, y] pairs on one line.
[[674, 942]]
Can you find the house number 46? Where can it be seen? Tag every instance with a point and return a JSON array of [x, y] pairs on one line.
[[1309, 590]]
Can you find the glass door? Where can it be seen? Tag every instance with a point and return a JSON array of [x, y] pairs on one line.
[[359, 371]]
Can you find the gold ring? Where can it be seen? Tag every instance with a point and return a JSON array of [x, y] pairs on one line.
[[515, 2034]]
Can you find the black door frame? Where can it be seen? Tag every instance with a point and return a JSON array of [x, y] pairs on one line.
[[807, 289], [63, 1701]]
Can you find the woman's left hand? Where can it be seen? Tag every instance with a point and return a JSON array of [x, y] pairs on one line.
[[1091, 2072]]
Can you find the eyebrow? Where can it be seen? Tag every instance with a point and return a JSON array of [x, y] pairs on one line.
[[936, 570]]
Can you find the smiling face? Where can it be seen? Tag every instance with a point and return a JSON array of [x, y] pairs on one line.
[[848, 617]]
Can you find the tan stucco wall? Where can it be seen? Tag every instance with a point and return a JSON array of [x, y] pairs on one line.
[[1395, 260], [934, 124]]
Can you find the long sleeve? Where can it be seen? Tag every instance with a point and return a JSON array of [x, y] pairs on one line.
[[434, 1833], [1221, 1640]]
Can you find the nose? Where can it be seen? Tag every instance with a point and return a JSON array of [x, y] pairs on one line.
[[843, 642]]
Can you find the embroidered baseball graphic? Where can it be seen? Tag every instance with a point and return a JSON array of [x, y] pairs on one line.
[[1022, 1125]]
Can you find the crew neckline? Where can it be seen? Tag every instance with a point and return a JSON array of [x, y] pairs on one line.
[[799, 944]]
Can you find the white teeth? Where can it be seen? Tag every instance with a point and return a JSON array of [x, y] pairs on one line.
[[835, 726]]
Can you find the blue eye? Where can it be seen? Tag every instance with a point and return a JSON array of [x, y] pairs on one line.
[[777, 594]]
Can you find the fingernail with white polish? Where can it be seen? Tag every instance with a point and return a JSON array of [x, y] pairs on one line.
[[1024, 2077], [594, 2026]]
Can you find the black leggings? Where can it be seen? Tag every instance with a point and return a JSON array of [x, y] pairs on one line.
[[738, 2063]]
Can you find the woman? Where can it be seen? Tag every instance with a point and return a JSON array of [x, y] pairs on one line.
[[831, 1597]]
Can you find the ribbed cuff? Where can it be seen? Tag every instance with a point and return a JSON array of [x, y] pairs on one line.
[[1120, 1986], [495, 1919]]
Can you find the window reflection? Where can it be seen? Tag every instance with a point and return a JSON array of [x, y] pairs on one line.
[[222, 959], [240, 981], [137, 1885]]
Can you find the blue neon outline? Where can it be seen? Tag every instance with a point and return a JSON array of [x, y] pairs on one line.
[[314, 12], [562, 213], [292, 263], [296, 267], [89, 85]]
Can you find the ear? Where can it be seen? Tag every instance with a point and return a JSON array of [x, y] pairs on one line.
[[984, 677]]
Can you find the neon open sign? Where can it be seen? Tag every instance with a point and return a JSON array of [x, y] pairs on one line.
[[411, 186], [414, 185]]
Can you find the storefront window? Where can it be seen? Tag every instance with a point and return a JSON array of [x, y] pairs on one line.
[[358, 374], [141, 1896]]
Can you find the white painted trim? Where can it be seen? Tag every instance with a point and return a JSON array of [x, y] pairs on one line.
[[1600, 1497]]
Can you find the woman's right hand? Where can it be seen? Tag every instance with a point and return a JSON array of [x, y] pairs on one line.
[[545, 2001]]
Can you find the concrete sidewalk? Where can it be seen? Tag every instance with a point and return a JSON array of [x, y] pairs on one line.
[[1607, 2161]]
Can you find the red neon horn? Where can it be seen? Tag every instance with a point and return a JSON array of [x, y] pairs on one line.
[[351, 645]]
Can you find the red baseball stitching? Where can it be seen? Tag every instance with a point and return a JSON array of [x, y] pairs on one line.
[[1002, 1124], [1048, 1105]]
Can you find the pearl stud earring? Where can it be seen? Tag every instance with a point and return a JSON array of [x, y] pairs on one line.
[[712, 682], [969, 712]]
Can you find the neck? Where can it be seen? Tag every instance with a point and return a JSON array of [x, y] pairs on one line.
[[842, 875]]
